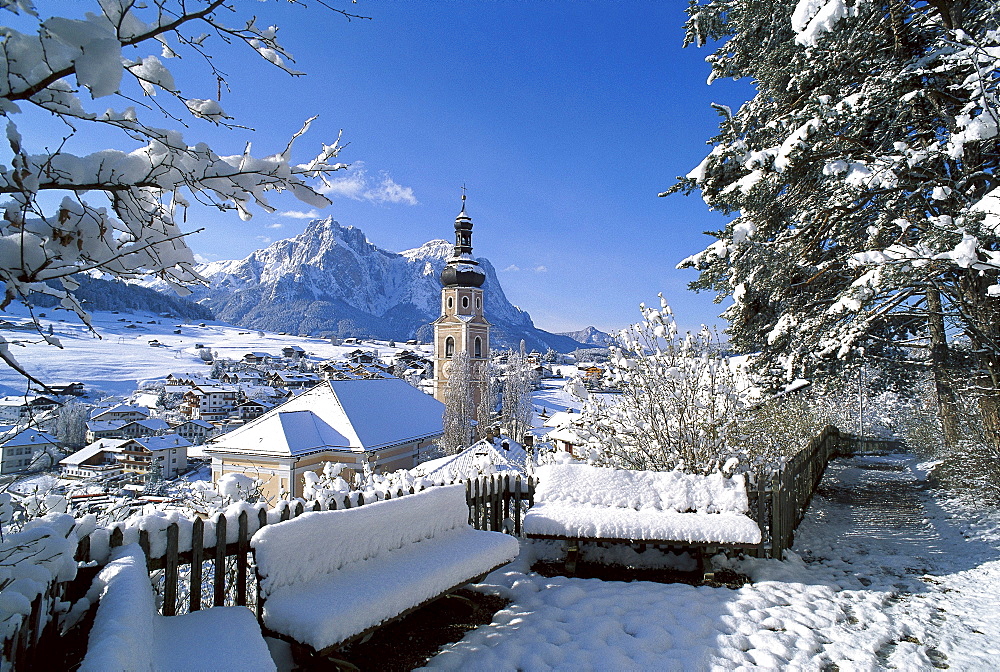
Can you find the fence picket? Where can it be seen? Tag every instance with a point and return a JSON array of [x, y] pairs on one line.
[[197, 558], [170, 572], [144, 544], [517, 506], [242, 548], [219, 597]]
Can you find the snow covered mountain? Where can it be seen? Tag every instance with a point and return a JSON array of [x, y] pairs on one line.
[[331, 281], [589, 336]]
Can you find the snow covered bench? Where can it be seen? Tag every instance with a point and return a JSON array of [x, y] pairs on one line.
[[129, 634], [330, 578], [576, 502]]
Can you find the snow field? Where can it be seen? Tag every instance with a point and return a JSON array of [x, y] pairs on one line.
[[121, 359]]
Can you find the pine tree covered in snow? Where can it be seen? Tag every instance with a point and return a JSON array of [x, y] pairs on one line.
[[115, 211], [860, 175]]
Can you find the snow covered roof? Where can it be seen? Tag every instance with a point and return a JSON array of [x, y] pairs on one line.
[[215, 389], [479, 458], [154, 443], [87, 452], [567, 434], [560, 419], [155, 424], [354, 415], [121, 409], [198, 423], [106, 425], [288, 433], [24, 400], [31, 437]]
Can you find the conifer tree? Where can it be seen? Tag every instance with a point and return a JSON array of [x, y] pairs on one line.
[[859, 175]]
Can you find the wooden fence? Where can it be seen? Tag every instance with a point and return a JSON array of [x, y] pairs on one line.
[[221, 572], [784, 495]]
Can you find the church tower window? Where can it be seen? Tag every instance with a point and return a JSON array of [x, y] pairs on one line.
[[479, 348], [449, 347]]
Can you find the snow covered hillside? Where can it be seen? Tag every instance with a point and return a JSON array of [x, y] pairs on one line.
[[122, 358], [331, 281]]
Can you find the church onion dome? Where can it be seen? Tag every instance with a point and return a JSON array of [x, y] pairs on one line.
[[462, 269], [461, 273]]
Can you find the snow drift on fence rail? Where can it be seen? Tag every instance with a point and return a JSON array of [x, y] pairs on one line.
[[659, 490]]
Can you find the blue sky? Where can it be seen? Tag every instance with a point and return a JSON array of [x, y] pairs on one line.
[[564, 119]]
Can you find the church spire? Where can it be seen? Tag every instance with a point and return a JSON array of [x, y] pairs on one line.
[[463, 233], [462, 267]]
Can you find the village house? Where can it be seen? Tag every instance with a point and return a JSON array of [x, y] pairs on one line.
[[484, 457], [245, 376], [120, 412], [210, 402], [384, 422], [253, 408], [186, 380], [293, 380], [592, 376], [18, 408], [147, 427], [257, 357], [75, 389], [96, 460], [293, 352], [148, 456], [563, 435], [23, 451], [195, 431], [361, 357]]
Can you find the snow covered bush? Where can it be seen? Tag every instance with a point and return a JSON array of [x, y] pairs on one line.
[[677, 401], [41, 554], [460, 405], [117, 211], [326, 486], [519, 380]]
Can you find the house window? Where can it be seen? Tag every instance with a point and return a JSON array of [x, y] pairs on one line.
[[479, 347], [449, 347]]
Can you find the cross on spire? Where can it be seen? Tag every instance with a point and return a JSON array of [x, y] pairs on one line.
[[463, 197]]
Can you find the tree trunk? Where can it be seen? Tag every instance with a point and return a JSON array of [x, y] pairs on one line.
[[947, 405], [989, 401]]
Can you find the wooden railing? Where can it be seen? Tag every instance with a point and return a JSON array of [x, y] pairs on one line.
[[784, 495]]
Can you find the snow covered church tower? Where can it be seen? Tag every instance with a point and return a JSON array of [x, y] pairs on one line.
[[461, 327]]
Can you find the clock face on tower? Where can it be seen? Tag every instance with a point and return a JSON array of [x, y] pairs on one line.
[[446, 368]]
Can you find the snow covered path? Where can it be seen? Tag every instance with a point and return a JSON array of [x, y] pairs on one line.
[[885, 573]]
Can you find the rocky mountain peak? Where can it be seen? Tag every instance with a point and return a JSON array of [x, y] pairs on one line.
[[330, 280]]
